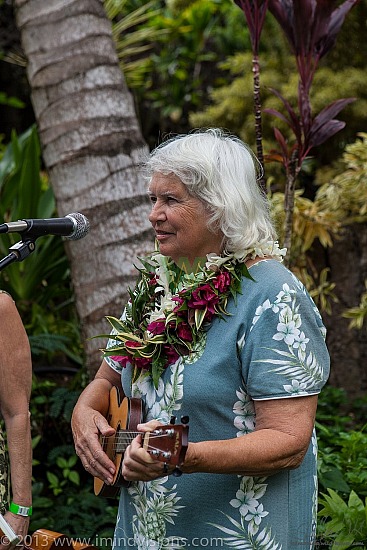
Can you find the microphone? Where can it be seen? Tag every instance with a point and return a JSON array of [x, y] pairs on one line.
[[74, 226]]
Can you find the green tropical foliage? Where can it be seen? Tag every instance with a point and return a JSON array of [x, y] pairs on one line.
[[11, 101], [176, 72], [348, 526], [342, 471], [25, 195], [40, 285], [358, 313], [134, 36], [346, 191]]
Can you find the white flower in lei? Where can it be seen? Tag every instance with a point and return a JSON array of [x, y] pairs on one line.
[[163, 276], [261, 250]]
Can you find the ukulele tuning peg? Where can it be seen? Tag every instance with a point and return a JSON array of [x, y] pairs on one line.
[[184, 419], [172, 420]]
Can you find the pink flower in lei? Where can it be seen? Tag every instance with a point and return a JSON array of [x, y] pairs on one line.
[[143, 363], [184, 332], [122, 359], [204, 297], [171, 354], [157, 327], [222, 282]]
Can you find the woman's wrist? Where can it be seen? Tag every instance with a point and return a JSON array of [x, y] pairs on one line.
[[20, 510], [190, 463]]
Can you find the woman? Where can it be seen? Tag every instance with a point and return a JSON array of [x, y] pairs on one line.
[[15, 390], [219, 330]]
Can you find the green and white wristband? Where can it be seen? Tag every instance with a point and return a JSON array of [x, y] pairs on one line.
[[20, 510]]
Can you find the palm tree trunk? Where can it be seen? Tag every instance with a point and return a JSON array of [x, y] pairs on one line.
[[92, 146]]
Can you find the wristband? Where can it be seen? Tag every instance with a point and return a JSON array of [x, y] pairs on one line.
[[20, 510]]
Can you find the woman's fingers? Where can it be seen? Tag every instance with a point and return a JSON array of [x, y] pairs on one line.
[[139, 465], [148, 426], [88, 431]]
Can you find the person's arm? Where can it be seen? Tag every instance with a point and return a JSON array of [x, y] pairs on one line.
[[89, 423], [280, 441], [15, 390]]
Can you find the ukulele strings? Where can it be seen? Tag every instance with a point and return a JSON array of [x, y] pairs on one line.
[[125, 438]]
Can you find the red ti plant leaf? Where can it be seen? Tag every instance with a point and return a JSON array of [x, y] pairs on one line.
[[324, 125], [330, 22], [293, 120], [325, 132], [294, 18], [283, 146], [311, 27], [255, 11], [274, 156]]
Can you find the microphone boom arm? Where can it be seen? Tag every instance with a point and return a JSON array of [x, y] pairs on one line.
[[18, 252]]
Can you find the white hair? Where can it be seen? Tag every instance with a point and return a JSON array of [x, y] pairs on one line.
[[219, 169]]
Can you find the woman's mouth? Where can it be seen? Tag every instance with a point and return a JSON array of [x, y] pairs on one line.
[[162, 234]]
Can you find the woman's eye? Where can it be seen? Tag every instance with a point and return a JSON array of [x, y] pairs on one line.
[[166, 200]]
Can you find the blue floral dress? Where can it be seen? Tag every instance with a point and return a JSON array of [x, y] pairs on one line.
[[271, 346]]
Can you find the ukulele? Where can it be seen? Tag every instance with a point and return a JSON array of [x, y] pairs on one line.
[[42, 539], [167, 443]]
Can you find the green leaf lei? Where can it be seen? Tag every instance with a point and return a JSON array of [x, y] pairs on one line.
[[169, 310]]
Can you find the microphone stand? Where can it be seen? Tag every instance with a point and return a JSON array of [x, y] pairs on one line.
[[19, 251]]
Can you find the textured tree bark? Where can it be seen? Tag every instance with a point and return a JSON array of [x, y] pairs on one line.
[[92, 146]]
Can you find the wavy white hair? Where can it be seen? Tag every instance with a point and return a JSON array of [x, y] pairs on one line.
[[219, 169]]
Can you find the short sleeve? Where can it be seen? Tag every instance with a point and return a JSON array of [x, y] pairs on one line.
[[112, 363], [283, 351]]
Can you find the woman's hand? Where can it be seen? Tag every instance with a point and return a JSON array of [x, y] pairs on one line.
[[20, 525], [138, 464], [88, 424]]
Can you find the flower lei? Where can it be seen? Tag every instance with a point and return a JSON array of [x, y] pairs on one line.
[[169, 310]]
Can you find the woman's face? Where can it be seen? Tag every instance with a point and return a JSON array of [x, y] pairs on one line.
[[180, 222]]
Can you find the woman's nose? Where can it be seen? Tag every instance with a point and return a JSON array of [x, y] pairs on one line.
[[157, 213]]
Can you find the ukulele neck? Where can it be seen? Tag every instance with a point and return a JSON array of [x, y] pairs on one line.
[[153, 442]]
